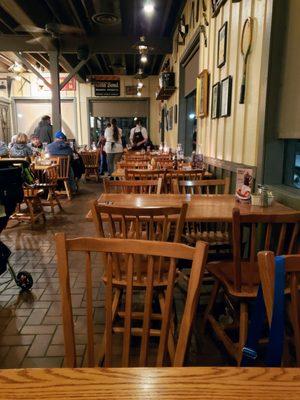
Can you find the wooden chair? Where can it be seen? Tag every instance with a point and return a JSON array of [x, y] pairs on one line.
[[239, 278], [152, 223], [142, 175], [126, 323], [33, 207], [141, 187], [47, 181], [181, 175], [133, 164], [203, 186], [91, 163], [266, 263], [129, 157], [63, 173], [215, 234]]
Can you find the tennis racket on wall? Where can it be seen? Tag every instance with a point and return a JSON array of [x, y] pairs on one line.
[[246, 45]]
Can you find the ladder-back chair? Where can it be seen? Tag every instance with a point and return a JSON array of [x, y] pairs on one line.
[[132, 164], [126, 323], [140, 187], [216, 234], [47, 181], [91, 163], [266, 262], [181, 175], [136, 174], [240, 277], [202, 186], [63, 173]]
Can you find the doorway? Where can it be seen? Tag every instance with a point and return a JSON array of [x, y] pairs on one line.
[[190, 122]]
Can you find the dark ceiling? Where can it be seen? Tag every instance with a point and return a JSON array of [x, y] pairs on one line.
[[110, 44]]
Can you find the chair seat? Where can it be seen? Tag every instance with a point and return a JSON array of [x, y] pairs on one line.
[[224, 272]]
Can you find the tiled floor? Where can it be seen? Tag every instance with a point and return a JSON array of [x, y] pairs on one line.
[[30, 324]]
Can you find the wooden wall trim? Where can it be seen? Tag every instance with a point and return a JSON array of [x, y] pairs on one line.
[[228, 165]]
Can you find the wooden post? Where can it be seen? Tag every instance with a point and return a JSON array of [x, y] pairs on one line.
[[55, 84]]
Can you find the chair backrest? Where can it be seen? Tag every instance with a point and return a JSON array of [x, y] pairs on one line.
[[136, 174], [113, 249], [140, 187], [63, 163], [128, 157], [132, 164], [49, 175], [152, 223], [266, 262], [203, 186], [90, 158], [276, 232]]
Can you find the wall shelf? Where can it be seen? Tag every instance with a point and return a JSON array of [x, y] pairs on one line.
[[165, 93]]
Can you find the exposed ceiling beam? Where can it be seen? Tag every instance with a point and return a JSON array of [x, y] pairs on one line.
[[107, 45], [19, 15], [32, 69]]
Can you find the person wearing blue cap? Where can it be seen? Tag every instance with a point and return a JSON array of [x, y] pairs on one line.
[[60, 147]]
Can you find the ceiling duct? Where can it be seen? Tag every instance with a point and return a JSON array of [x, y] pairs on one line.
[[106, 12]]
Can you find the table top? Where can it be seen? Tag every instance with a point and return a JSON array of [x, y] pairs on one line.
[[120, 173], [151, 383], [205, 208]]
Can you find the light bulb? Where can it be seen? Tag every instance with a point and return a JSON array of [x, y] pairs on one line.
[[144, 58], [140, 85], [139, 94], [149, 7]]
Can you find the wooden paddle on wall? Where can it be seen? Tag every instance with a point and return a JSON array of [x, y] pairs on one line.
[[246, 44]]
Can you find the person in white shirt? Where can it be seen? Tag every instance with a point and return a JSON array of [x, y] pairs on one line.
[[113, 146], [138, 136]]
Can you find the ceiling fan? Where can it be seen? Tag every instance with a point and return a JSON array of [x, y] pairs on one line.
[[52, 30]]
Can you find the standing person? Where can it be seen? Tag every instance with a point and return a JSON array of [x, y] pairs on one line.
[[44, 130], [113, 146], [138, 136], [20, 148]]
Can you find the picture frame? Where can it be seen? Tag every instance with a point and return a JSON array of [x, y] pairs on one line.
[[216, 6], [226, 94], [202, 94], [175, 114], [215, 101], [222, 45]]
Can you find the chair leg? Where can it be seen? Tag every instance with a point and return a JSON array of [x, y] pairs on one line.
[[56, 199], [243, 330], [100, 350], [171, 343], [210, 305], [68, 190]]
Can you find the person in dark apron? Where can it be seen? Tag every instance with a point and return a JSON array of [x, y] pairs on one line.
[[138, 136]]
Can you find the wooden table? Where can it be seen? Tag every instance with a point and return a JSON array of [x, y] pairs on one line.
[[151, 383], [205, 208]]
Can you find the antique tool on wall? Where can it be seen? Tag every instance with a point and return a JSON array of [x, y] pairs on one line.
[[246, 44], [203, 31]]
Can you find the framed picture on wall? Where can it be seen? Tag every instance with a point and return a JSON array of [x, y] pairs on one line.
[[215, 101], [175, 114], [222, 45], [226, 90], [202, 94]]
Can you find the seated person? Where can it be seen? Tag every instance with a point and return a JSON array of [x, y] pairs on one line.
[[36, 145], [60, 147], [20, 148], [3, 149]]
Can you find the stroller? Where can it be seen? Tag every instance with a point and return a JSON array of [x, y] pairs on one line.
[[12, 175]]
